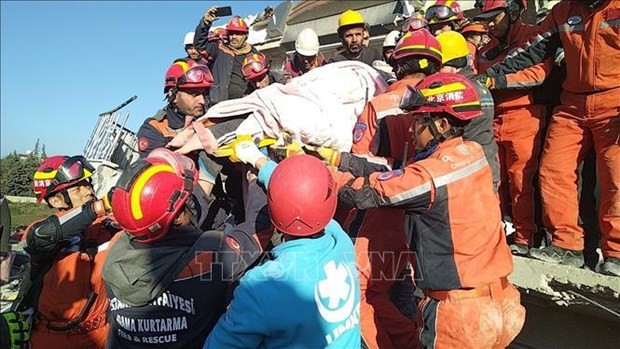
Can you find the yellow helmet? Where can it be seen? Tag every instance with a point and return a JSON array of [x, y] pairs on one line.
[[350, 17], [453, 46]]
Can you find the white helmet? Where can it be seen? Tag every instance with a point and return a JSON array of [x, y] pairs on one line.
[[391, 39], [307, 43], [189, 39]]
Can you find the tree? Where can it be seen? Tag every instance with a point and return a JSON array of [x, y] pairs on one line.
[[16, 173]]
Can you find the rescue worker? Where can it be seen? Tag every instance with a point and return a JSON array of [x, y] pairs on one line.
[[192, 53], [67, 252], [380, 244], [228, 79], [444, 15], [185, 86], [307, 55], [366, 35], [312, 275], [587, 117], [256, 71], [477, 34], [453, 218], [518, 120], [168, 281], [417, 55], [351, 27], [456, 56]]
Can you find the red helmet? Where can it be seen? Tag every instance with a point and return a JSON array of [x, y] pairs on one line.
[[419, 43], [492, 8], [187, 74], [443, 11], [59, 172], [254, 66], [237, 24], [217, 34], [444, 93], [302, 196], [151, 192]]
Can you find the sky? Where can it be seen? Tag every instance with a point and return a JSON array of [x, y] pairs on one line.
[[63, 63]]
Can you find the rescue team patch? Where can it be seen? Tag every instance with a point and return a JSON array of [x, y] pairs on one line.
[[388, 175], [143, 143], [358, 131]]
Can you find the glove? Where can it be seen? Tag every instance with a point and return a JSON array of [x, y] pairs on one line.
[[103, 206], [559, 57], [486, 80], [14, 330], [228, 150], [329, 156], [289, 148], [247, 152]]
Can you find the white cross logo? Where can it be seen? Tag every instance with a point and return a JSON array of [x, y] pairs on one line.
[[336, 287]]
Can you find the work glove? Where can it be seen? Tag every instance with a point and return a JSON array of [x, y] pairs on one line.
[[103, 206], [14, 330], [329, 156], [486, 80], [228, 150], [246, 151], [286, 148], [559, 57]]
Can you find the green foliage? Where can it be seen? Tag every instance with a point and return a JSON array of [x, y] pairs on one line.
[[26, 213], [16, 172]]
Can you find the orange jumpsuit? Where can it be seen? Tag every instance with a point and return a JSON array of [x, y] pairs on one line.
[[462, 259], [589, 116], [380, 245], [66, 289], [517, 125]]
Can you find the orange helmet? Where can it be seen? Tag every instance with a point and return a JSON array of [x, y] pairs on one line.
[[448, 93], [57, 173], [419, 43], [254, 66], [443, 11], [237, 24], [187, 74], [151, 192], [475, 27]]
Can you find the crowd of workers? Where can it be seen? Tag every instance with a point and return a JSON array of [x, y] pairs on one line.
[[300, 245]]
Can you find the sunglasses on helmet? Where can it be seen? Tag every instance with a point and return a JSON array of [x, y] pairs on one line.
[[413, 24], [73, 169], [253, 66], [195, 75], [439, 12], [412, 99]]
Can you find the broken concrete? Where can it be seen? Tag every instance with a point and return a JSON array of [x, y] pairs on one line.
[[566, 307]]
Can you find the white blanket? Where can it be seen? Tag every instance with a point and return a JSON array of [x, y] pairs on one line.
[[319, 108]]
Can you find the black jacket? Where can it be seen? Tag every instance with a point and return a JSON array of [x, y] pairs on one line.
[[222, 64]]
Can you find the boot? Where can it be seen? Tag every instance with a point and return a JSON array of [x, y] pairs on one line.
[[558, 255]]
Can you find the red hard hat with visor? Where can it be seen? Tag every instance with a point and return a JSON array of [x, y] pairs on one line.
[[254, 66], [58, 173], [184, 74]]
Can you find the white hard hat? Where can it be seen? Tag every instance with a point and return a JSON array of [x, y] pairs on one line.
[[391, 39], [307, 43], [189, 39]]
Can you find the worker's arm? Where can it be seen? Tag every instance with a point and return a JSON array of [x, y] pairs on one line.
[[201, 34], [534, 52], [410, 188]]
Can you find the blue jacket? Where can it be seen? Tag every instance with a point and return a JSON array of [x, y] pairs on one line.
[[307, 297]]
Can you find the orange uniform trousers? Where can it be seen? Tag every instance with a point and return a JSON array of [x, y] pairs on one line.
[[42, 338], [486, 317], [581, 122], [518, 136], [381, 254]]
